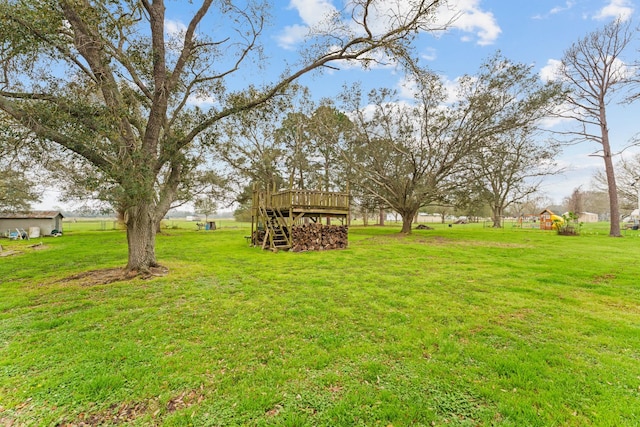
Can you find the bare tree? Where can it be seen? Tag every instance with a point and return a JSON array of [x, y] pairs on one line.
[[575, 202], [594, 70], [627, 177], [597, 202], [532, 205]]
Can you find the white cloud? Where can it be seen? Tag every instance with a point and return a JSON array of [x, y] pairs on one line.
[[550, 72], [313, 12], [568, 5], [201, 100], [621, 71], [557, 9], [555, 122], [407, 87], [467, 17], [622, 9], [429, 54], [618, 70], [472, 19], [174, 28], [292, 35], [174, 31]]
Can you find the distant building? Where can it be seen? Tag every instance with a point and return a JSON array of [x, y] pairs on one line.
[[587, 217], [44, 221]]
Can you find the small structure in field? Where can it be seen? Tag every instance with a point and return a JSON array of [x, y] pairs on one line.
[[547, 220], [587, 217], [292, 220], [42, 223]]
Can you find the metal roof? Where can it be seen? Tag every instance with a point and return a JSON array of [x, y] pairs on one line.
[[30, 215]]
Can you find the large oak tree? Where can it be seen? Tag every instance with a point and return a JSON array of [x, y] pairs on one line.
[[106, 81], [410, 156]]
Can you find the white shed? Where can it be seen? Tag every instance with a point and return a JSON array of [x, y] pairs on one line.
[[45, 221], [587, 217]]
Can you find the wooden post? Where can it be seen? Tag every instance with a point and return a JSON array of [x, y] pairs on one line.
[[348, 201], [254, 211]]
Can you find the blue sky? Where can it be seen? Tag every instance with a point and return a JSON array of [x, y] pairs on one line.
[[534, 32]]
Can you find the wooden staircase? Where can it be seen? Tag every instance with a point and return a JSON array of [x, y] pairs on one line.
[[277, 236]]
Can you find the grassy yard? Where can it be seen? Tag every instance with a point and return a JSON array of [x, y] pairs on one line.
[[460, 326]]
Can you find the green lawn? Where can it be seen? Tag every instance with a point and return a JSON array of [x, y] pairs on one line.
[[463, 326]]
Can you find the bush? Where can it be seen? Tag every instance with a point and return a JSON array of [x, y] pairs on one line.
[[569, 225], [242, 214]]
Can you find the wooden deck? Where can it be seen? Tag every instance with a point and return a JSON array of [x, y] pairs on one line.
[[304, 203], [275, 213]]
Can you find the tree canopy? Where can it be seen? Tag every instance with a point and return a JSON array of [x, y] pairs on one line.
[[410, 156], [18, 189], [107, 82]]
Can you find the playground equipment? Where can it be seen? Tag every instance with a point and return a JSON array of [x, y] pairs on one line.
[[548, 220], [274, 214]]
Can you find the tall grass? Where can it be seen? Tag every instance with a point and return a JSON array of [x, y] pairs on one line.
[[453, 326]]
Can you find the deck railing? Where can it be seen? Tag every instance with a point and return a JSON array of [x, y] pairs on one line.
[[310, 199]]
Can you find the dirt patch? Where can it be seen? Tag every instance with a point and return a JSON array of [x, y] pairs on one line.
[[111, 275], [126, 413], [115, 415], [8, 252], [185, 400], [522, 314], [603, 278]]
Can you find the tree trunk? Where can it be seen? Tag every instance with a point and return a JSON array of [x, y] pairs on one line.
[[496, 216], [443, 214], [159, 221], [382, 215], [406, 224], [141, 238], [407, 221], [614, 229]]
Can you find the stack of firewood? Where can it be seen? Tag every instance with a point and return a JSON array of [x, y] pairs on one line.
[[318, 237]]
